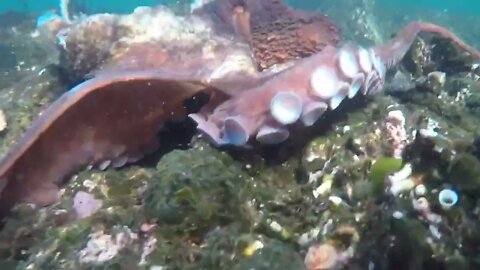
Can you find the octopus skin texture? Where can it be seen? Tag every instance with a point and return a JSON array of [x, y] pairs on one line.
[[263, 33], [303, 92]]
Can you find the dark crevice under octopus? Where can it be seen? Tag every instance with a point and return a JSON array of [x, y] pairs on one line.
[[293, 71]]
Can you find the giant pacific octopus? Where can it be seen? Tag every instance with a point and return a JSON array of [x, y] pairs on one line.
[[265, 66]]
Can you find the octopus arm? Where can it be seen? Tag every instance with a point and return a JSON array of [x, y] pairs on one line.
[[111, 119], [394, 50], [305, 91]]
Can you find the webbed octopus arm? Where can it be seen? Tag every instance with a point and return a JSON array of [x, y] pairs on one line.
[[306, 90], [110, 120]]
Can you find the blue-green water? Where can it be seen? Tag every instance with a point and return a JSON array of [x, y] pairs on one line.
[[463, 6], [104, 5], [467, 6]]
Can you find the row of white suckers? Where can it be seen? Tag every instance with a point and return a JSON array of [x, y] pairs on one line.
[[357, 69], [117, 162]]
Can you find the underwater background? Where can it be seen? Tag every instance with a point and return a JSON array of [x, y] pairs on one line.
[[384, 182], [464, 6]]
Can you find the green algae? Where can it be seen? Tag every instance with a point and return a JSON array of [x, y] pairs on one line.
[[204, 193], [216, 192], [381, 169], [410, 249], [464, 172]]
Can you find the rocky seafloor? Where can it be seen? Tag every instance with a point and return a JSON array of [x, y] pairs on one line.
[[363, 189]]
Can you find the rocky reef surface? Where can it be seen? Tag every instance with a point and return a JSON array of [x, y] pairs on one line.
[[387, 184]]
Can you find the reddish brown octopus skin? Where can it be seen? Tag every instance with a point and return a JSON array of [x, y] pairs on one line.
[[303, 92], [115, 118], [271, 32], [285, 34]]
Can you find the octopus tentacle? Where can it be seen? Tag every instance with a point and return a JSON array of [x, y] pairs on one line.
[[393, 51], [306, 90], [78, 130]]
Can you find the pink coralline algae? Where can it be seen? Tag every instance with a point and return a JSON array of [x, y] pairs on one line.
[[396, 132]]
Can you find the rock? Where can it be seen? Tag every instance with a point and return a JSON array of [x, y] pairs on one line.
[[418, 60], [436, 81], [196, 189], [400, 82]]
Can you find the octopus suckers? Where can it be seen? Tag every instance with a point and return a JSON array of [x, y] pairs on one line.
[[313, 111], [343, 89], [347, 62], [286, 107], [377, 64], [368, 82], [235, 131], [364, 60], [324, 82], [355, 85], [272, 135]]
